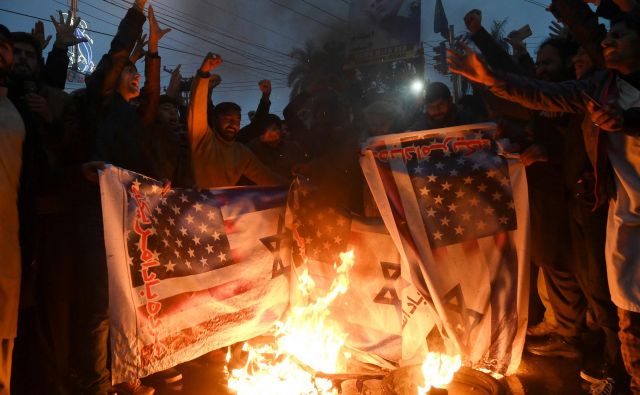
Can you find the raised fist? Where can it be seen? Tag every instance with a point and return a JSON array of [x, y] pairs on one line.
[[473, 20], [210, 62], [265, 87]]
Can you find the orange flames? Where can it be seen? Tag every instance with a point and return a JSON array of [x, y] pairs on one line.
[[438, 371], [306, 343]]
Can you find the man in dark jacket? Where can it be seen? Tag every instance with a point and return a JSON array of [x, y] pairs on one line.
[[275, 149], [122, 138], [614, 130], [43, 343]]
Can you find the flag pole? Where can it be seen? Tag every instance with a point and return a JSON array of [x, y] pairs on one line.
[[455, 79]]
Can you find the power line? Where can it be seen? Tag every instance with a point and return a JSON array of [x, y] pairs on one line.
[[172, 39], [536, 3], [324, 11], [221, 32], [241, 17], [112, 35], [301, 14], [229, 48]]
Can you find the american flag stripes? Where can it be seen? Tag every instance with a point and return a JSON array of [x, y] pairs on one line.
[[190, 271], [458, 213]]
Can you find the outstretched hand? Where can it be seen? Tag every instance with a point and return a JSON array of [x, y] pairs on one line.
[[469, 65], [66, 31], [155, 33], [210, 62], [38, 33]]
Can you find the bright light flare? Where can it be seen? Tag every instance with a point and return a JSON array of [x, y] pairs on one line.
[[417, 86]]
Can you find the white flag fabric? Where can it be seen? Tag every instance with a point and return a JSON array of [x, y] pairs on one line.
[[190, 270], [458, 214], [370, 311]]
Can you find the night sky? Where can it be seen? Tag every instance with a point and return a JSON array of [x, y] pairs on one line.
[[257, 34]]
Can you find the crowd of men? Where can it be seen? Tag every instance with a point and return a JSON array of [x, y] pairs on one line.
[[573, 115]]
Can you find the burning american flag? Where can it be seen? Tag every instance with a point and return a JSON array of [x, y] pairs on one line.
[[190, 271]]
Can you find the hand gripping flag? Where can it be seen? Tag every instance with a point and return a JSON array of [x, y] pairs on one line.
[[190, 270], [458, 213]]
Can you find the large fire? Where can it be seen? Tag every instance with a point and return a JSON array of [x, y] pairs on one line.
[[306, 343], [309, 342]]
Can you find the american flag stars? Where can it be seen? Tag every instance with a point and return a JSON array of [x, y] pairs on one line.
[[190, 236], [462, 197]]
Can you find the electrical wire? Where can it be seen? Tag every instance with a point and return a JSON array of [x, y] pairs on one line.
[[537, 3], [197, 55], [242, 18], [310, 4], [203, 25], [229, 48], [294, 11], [229, 62]]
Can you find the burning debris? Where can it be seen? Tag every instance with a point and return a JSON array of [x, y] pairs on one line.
[[308, 342], [307, 356]]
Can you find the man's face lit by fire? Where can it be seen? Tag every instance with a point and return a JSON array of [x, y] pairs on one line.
[[229, 125], [621, 49], [129, 83]]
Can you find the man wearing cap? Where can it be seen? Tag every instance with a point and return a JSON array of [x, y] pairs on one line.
[[11, 137]]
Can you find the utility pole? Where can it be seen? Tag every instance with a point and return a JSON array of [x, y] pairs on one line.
[[73, 9], [455, 78]]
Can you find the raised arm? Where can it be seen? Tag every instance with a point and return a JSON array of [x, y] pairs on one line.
[[197, 125], [584, 26], [107, 72], [253, 129], [150, 95], [528, 92], [497, 57]]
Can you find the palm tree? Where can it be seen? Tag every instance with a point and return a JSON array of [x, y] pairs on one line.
[[301, 72], [317, 66], [498, 33]]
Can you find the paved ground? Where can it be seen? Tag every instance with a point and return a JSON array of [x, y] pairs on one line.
[[536, 376], [539, 375]]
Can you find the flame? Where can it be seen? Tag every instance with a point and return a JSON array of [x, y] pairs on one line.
[[438, 371], [306, 343]]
